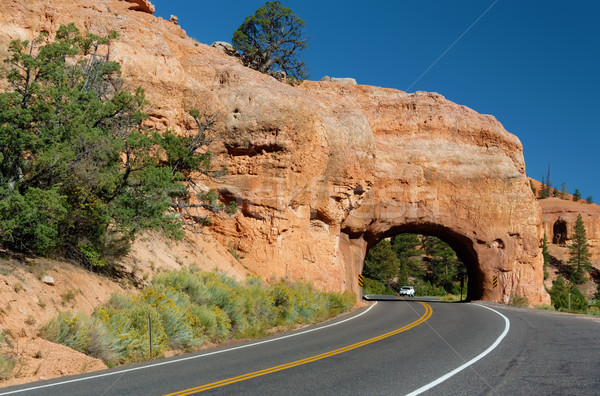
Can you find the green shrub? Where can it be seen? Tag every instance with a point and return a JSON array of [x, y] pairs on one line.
[[257, 305], [545, 307], [185, 281], [101, 344], [129, 327], [305, 303], [186, 309], [559, 294], [338, 303], [31, 220], [7, 364], [427, 289], [518, 301], [119, 302], [68, 329], [373, 286], [450, 297], [594, 311]]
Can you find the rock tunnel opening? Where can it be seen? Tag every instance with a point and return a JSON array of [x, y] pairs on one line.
[[559, 231], [461, 245]]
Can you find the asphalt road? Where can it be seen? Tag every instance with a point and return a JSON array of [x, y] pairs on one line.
[[391, 348]]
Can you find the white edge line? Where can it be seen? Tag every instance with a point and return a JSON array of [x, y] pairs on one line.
[[470, 362], [189, 357]]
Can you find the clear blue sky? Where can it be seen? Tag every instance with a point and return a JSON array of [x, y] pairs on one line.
[[534, 65]]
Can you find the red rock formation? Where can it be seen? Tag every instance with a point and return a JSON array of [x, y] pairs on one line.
[[142, 5], [325, 170], [559, 218]]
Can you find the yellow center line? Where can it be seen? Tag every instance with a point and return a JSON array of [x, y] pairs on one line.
[[426, 315]]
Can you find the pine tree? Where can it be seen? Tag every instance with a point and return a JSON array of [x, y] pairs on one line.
[[579, 252], [533, 189], [543, 189], [563, 191], [269, 40], [381, 263], [406, 247], [444, 266], [548, 183], [545, 254], [559, 293], [576, 195]]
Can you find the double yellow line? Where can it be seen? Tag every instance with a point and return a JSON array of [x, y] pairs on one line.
[[426, 315]]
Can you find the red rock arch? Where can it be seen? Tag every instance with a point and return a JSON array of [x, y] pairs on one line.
[[367, 163]]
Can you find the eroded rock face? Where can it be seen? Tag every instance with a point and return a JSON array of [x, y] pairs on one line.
[[559, 217], [443, 169], [142, 5], [323, 171]]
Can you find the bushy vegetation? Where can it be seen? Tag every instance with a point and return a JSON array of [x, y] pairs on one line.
[[374, 286], [187, 309], [427, 263], [426, 288], [559, 294], [80, 174], [518, 301], [7, 364]]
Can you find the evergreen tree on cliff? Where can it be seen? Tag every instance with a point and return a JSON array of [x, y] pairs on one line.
[[269, 40], [546, 255], [80, 175], [563, 191], [579, 252], [544, 193]]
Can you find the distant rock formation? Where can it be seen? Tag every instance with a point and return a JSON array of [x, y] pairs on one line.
[[322, 171], [559, 218]]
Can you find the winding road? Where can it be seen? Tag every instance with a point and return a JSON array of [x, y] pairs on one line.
[[388, 348]]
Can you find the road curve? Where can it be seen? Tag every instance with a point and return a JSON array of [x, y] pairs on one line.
[[396, 347]]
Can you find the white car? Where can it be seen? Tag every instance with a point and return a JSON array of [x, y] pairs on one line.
[[407, 291]]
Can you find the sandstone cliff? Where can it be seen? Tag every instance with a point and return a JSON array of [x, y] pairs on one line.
[[324, 170], [558, 221], [559, 218]]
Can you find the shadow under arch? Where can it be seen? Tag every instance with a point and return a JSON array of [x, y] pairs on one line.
[[462, 246]]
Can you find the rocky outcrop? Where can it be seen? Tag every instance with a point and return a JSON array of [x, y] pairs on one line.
[[340, 80], [323, 171], [559, 218], [224, 47], [142, 5]]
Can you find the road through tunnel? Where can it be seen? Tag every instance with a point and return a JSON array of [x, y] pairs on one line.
[[462, 262]]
